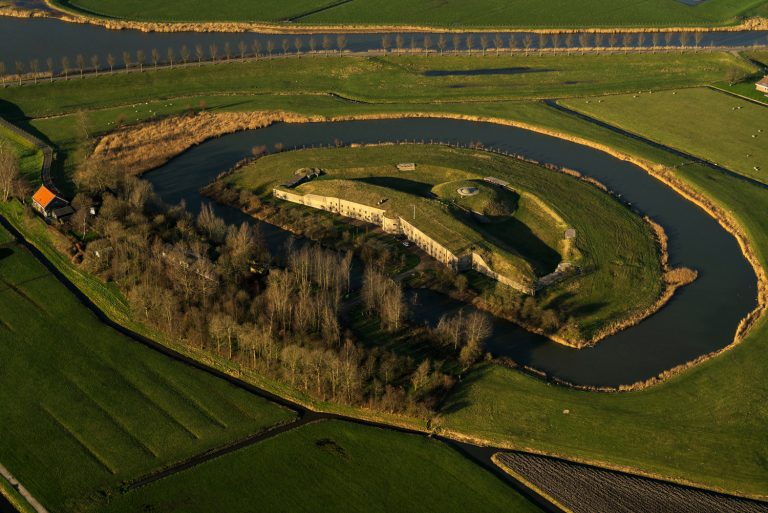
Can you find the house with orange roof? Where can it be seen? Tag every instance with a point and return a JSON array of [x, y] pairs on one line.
[[50, 205]]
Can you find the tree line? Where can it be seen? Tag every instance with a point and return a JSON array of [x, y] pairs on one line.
[[327, 44]]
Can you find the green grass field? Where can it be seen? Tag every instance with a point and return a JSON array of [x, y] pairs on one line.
[[707, 425], [720, 128], [86, 409], [622, 271], [331, 466], [453, 13], [30, 158]]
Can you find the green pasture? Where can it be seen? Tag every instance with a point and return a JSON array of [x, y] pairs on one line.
[[720, 128], [86, 409], [331, 466], [431, 13]]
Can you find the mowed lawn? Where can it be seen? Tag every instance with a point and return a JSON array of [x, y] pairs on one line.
[[723, 129], [331, 466], [85, 409], [450, 13]]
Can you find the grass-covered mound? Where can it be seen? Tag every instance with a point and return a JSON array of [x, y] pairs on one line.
[[621, 272], [477, 196]]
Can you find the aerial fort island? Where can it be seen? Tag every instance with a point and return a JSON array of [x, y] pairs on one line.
[[363, 256]]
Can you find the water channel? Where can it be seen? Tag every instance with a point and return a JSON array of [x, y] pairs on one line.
[[701, 318], [26, 39]]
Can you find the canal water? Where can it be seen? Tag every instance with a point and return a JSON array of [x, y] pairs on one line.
[[26, 39], [701, 318]]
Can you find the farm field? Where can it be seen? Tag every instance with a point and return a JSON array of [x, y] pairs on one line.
[[451, 14], [98, 423], [722, 129], [624, 269], [390, 79], [583, 489], [331, 466]]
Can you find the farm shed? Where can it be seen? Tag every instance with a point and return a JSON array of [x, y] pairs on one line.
[[50, 205]]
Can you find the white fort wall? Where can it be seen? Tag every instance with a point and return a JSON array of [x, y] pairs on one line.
[[400, 226]]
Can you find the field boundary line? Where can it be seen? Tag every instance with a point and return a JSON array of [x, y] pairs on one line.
[[737, 95], [5, 473]]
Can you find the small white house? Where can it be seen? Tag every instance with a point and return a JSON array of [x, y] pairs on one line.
[[762, 86]]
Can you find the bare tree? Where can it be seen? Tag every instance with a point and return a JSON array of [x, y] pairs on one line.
[[626, 40], [227, 50], [199, 54], [140, 59], [286, 46], [49, 64], [270, 47], [697, 38], [213, 51], [427, 43], [155, 57], [612, 39], [543, 39], [170, 55], [19, 71], [569, 40], [399, 42], [80, 61], [599, 36], [327, 44], [312, 44], [668, 39], [256, 47], [512, 44], [414, 46], [9, 171], [65, 67], [385, 43], [2, 73], [498, 43], [456, 43], [583, 41], [484, 43], [95, 64], [527, 43], [242, 48], [34, 66], [341, 43], [470, 41], [441, 43], [655, 40], [111, 63], [683, 39]]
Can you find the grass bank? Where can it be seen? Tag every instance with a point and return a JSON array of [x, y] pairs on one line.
[[452, 14]]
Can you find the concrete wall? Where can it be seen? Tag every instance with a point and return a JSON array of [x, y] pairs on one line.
[[399, 226]]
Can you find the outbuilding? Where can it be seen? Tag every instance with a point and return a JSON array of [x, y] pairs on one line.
[[50, 205], [762, 86]]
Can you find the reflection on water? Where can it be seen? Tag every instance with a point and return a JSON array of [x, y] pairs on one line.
[[701, 318]]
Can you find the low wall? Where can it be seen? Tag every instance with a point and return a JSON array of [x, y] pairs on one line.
[[400, 226]]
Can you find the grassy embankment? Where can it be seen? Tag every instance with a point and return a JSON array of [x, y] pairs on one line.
[[30, 159], [304, 86], [706, 425], [90, 410], [342, 467], [621, 268], [452, 14], [722, 129]]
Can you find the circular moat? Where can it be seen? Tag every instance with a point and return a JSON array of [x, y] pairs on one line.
[[700, 318]]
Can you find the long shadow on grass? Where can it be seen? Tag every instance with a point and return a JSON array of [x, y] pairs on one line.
[[515, 234], [5, 253], [484, 72], [399, 184]]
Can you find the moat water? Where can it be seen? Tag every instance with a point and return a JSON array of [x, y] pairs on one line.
[[25, 39], [700, 318]]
